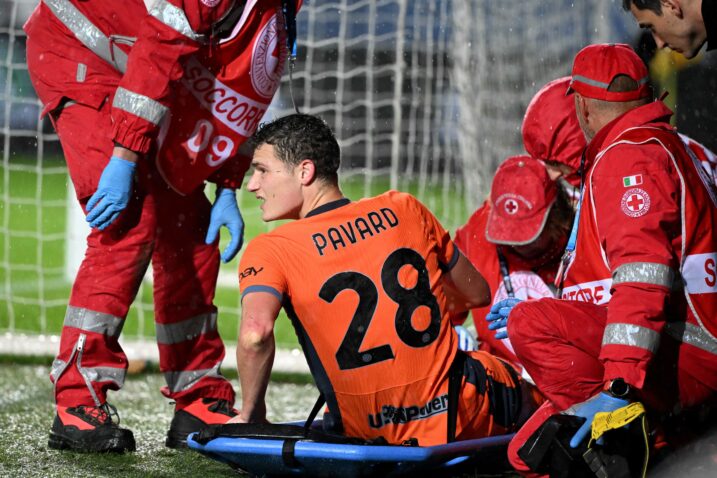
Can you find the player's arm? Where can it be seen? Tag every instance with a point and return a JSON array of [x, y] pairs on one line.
[[464, 286], [255, 353]]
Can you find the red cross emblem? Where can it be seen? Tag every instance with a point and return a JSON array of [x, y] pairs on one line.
[[635, 202], [511, 206]]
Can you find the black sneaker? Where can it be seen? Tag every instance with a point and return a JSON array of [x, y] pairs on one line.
[[90, 429], [195, 417]]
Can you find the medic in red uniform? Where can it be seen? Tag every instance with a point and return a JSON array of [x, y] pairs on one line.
[[516, 240], [184, 82], [640, 293]]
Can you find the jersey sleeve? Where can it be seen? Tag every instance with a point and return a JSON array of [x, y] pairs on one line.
[[636, 197], [447, 251], [171, 31], [260, 269]]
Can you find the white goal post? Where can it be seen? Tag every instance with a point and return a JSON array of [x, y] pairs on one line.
[[425, 96]]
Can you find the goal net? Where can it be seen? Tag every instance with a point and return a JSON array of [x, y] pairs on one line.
[[425, 96]]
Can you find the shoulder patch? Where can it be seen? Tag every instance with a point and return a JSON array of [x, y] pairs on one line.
[[629, 181], [635, 202]]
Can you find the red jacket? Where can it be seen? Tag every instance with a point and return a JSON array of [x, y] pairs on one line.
[[94, 41], [706, 157], [528, 279], [648, 212], [221, 100]]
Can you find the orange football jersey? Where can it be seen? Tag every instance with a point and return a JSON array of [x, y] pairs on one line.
[[361, 282]]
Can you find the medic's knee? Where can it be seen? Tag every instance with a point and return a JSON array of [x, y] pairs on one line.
[[519, 322], [519, 465]]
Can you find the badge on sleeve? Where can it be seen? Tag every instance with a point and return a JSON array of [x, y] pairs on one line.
[[635, 202], [629, 181]]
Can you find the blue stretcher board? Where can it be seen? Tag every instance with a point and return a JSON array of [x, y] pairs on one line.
[[263, 457]]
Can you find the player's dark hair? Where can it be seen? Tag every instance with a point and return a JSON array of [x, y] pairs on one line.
[[653, 5], [299, 136]]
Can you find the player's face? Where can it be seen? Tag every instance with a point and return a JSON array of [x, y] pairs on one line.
[[671, 29], [276, 184]]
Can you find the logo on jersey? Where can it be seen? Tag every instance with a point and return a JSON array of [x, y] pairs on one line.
[[268, 58], [397, 414], [211, 3], [249, 271], [635, 202]]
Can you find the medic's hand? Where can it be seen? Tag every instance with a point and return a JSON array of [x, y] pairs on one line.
[[113, 193], [498, 316], [602, 402], [225, 212], [466, 340]]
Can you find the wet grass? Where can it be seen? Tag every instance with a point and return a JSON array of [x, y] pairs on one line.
[[26, 413]]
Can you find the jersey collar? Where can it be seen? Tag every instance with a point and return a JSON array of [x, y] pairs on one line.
[[329, 206]]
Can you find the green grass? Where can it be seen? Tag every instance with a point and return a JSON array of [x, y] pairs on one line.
[[34, 292], [27, 410]]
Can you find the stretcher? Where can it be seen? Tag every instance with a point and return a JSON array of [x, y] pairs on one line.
[[293, 450]]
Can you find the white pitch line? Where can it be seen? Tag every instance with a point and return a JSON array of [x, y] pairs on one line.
[[286, 360]]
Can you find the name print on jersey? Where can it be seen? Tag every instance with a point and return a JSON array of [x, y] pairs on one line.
[[357, 229]]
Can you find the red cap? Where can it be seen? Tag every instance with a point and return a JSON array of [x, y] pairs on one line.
[[521, 197], [551, 131], [595, 66]]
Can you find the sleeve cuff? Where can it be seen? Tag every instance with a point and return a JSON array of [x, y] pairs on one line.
[[632, 373], [137, 142]]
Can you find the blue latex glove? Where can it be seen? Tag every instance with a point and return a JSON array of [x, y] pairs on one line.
[[498, 316], [225, 212], [113, 193], [466, 341], [602, 402]]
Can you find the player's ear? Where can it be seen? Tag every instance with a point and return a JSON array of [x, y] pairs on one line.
[[306, 171], [672, 5]]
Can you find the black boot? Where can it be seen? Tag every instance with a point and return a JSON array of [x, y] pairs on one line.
[[90, 429]]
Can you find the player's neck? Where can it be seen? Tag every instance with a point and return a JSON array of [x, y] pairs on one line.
[[319, 196]]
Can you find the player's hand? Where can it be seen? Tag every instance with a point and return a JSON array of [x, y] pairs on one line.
[[466, 340], [113, 193], [602, 402], [498, 316], [225, 212]]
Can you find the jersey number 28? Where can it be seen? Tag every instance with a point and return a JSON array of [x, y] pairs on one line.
[[349, 355]]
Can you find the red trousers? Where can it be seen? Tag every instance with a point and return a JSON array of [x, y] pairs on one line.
[[559, 342], [159, 226]]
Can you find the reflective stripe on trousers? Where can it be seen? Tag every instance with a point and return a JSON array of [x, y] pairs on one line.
[[89, 374], [188, 329], [178, 381]]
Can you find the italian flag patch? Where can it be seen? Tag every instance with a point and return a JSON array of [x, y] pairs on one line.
[[629, 181]]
